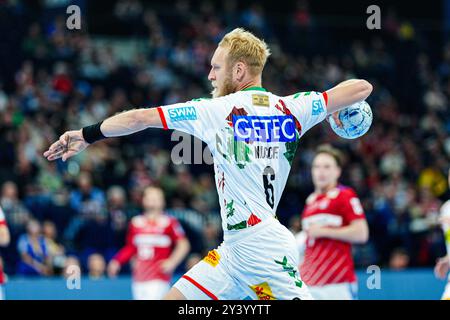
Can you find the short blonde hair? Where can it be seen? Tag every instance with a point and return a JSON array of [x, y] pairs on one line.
[[246, 47], [331, 151]]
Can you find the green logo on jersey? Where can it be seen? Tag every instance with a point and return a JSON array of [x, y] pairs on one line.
[[237, 226], [230, 208], [285, 264], [299, 94], [291, 148], [292, 272]]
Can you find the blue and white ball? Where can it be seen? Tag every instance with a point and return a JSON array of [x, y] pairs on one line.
[[356, 120]]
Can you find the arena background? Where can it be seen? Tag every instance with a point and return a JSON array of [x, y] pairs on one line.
[[132, 53]]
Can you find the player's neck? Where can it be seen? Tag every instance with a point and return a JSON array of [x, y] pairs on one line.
[[248, 84], [326, 189], [152, 215]]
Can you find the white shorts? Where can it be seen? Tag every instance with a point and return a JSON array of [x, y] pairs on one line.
[[446, 295], [150, 290], [255, 263], [336, 291]]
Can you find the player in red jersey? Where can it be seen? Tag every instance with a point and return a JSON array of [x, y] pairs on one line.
[[4, 241], [158, 243], [333, 219]]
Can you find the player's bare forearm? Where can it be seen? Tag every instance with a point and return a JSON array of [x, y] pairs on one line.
[[347, 93], [357, 232], [4, 236], [125, 123], [347, 82], [131, 121], [180, 251]]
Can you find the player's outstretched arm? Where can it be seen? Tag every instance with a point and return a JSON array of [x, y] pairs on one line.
[[356, 232], [125, 123], [347, 93], [180, 252]]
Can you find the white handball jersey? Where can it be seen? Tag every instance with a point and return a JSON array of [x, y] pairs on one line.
[[253, 135]]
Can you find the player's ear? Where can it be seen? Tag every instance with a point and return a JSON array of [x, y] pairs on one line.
[[240, 70]]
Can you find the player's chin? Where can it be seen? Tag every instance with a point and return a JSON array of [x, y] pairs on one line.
[[215, 93], [322, 185]]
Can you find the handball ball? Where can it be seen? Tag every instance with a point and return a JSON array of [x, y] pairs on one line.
[[356, 120]]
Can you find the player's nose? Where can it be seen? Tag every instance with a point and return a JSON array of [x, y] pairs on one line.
[[211, 75]]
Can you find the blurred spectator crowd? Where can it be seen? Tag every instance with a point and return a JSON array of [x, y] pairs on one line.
[[77, 212]]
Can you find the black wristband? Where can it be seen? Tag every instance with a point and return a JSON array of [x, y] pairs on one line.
[[93, 133]]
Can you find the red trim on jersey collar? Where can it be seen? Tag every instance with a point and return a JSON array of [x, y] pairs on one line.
[[195, 283], [163, 119], [325, 96]]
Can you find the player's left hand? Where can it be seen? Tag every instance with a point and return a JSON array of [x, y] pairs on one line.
[[168, 266], [68, 145], [113, 268], [442, 267], [315, 232]]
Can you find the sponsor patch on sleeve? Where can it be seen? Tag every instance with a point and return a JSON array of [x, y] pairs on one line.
[[182, 114], [317, 107]]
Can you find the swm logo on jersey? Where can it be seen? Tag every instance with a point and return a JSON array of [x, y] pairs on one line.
[[182, 113], [264, 128], [317, 107]]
